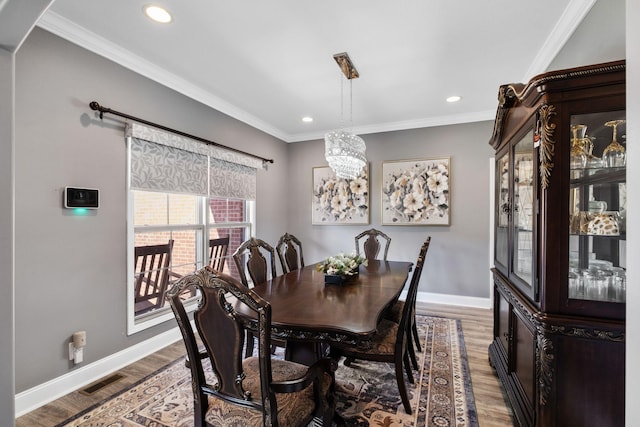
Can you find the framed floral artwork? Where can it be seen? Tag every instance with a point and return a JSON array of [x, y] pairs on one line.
[[416, 192], [338, 201]]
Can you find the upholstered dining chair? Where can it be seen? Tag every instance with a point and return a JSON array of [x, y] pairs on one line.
[[256, 391], [389, 345], [395, 313], [151, 277], [218, 252], [370, 242], [289, 250], [255, 260]]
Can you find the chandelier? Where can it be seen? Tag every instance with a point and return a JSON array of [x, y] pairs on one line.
[[344, 150]]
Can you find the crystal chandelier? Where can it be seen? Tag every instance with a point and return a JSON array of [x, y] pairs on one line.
[[344, 150]]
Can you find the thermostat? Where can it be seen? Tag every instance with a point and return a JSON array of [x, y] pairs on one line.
[[87, 198]]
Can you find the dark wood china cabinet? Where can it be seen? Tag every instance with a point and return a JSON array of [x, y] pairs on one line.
[[560, 247]]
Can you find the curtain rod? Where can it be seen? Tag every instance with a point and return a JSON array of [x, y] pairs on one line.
[[94, 105]]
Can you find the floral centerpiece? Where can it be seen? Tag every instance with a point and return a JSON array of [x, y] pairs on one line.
[[341, 267]]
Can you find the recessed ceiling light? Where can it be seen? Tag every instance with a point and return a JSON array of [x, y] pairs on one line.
[[157, 13], [307, 119], [454, 98]]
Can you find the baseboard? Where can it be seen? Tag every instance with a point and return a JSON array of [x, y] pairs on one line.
[[458, 300], [42, 394]]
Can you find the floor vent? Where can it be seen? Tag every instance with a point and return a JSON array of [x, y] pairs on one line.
[[101, 384]]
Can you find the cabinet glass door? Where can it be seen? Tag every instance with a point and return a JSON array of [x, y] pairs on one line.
[[502, 212], [523, 209], [597, 203]]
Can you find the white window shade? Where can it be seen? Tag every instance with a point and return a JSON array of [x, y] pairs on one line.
[[157, 167], [231, 180], [164, 161]]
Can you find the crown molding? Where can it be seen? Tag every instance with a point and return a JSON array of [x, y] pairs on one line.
[[570, 19], [84, 38], [427, 122]]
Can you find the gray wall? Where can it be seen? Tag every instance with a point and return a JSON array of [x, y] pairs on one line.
[[457, 263], [70, 271], [597, 39], [6, 237]]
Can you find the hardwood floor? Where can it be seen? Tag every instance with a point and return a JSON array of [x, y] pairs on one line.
[[476, 325]]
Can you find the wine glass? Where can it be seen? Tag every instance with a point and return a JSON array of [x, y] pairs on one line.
[[592, 161], [614, 154], [578, 158]]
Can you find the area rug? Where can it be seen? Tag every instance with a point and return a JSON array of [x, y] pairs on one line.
[[366, 392]]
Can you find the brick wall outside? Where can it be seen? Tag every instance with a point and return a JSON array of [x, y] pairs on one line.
[[151, 209]]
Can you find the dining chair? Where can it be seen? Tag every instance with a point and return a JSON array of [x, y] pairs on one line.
[[218, 252], [389, 345], [395, 314], [151, 277], [289, 250], [255, 260], [256, 391], [370, 240]]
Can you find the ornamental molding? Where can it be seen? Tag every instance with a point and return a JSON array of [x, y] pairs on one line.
[[547, 143], [517, 304], [590, 333], [544, 367]]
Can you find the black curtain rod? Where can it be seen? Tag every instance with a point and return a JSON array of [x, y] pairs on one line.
[[96, 106]]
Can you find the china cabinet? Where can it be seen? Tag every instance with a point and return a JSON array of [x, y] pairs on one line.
[[560, 246]]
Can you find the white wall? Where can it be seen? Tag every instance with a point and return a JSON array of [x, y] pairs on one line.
[[457, 260], [633, 222]]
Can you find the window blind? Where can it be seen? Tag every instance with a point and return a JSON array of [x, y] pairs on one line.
[[166, 162]]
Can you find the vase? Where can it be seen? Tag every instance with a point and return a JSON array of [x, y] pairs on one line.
[[335, 279]]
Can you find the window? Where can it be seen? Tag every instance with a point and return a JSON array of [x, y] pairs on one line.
[[182, 195], [190, 222]]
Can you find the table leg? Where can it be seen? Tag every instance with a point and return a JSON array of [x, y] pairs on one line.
[[305, 352]]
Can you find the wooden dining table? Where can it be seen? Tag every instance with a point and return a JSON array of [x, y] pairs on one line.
[[310, 314]]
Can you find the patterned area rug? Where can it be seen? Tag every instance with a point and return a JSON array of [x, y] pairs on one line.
[[367, 392]]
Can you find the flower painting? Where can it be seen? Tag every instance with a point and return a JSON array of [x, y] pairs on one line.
[[339, 201], [416, 192]]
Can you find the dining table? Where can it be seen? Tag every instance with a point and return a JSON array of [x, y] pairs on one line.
[[311, 314]]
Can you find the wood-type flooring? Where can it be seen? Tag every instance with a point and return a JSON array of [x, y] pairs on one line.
[[476, 325]]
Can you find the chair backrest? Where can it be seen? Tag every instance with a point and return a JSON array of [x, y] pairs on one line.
[[260, 263], [218, 252], [410, 302], [371, 246], [221, 330], [152, 265], [289, 250]]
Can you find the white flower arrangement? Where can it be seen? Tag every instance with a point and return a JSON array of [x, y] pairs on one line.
[[418, 194], [337, 200], [342, 265]]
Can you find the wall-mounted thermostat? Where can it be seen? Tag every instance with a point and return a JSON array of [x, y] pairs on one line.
[[86, 198]]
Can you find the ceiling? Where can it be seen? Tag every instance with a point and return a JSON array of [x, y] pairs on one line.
[[271, 63]]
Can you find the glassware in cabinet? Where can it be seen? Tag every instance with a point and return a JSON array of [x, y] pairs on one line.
[[597, 203]]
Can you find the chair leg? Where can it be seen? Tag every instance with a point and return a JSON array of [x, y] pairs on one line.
[[412, 352], [407, 368], [416, 336], [401, 386], [249, 341]]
